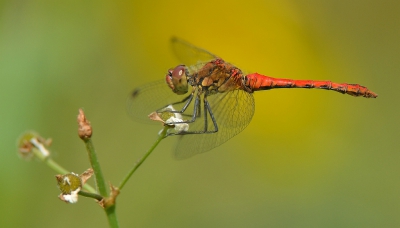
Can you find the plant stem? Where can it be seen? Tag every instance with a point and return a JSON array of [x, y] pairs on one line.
[[101, 185], [112, 217], [57, 167], [141, 160], [90, 195]]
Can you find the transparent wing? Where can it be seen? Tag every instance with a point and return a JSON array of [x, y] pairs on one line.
[[153, 96], [149, 98], [189, 54], [233, 111]]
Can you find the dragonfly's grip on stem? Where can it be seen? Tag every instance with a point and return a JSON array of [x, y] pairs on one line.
[[257, 81]]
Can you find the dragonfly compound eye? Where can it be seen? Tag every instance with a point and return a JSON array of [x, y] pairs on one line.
[[177, 80], [168, 79]]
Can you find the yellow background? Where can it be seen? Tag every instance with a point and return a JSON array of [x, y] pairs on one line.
[[309, 158]]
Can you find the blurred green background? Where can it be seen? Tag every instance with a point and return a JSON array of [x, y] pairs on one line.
[[309, 158]]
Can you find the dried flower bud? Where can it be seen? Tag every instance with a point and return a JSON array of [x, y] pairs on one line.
[[69, 185], [155, 117], [30, 143], [86, 175], [167, 116], [84, 127]]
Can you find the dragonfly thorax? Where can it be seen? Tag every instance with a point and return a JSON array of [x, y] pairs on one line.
[[177, 80]]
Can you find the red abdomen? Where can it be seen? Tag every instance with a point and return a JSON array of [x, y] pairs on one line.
[[257, 81]]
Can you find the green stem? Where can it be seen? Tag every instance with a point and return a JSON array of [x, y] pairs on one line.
[[141, 160], [57, 168], [112, 216], [101, 185], [91, 195]]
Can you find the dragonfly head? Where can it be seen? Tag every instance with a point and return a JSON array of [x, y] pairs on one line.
[[176, 80]]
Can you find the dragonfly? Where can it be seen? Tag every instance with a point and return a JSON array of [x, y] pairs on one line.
[[210, 100]]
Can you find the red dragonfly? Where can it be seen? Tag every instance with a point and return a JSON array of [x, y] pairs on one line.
[[209, 100]]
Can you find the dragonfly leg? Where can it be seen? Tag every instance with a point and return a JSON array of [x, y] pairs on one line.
[[187, 99], [195, 111], [207, 110], [205, 115]]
